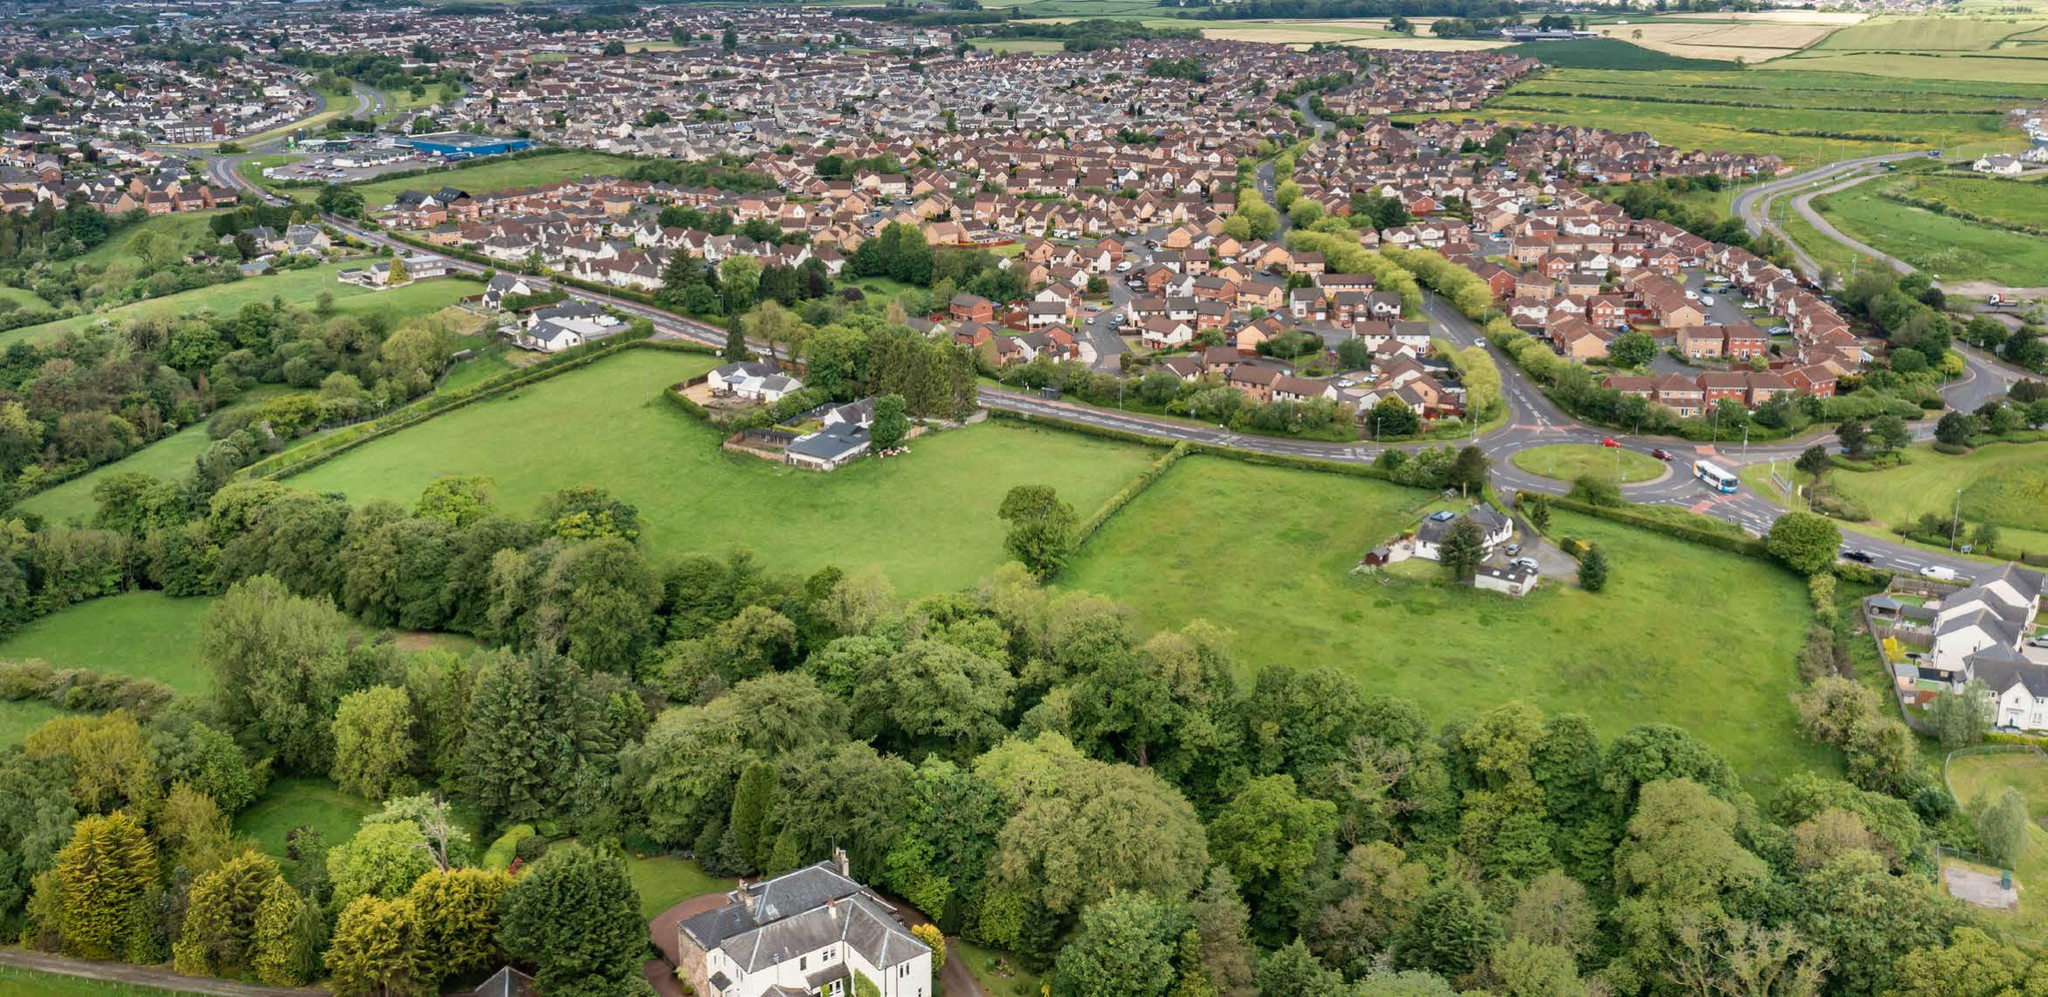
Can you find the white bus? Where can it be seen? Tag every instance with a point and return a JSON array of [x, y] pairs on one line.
[[1717, 478]]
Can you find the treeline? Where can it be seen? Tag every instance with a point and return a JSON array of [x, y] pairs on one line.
[[1653, 200], [93, 397], [990, 754], [1091, 35], [724, 173]]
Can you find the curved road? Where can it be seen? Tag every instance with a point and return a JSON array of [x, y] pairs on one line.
[[1533, 420]]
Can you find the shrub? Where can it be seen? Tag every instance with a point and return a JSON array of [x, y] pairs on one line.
[[1596, 490]]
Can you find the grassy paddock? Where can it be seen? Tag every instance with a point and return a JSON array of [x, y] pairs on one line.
[[18, 717], [1949, 246], [295, 287], [1989, 774], [138, 634], [1722, 669], [927, 519]]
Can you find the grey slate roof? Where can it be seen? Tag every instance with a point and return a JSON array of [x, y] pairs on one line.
[[802, 912]]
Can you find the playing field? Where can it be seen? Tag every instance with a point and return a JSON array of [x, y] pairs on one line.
[[137, 634], [498, 175], [1013, 46], [927, 519], [1570, 461], [2003, 483], [1268, 554], [293, 287]]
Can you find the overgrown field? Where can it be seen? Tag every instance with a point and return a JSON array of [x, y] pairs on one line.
[[1267, 553], [1940, 244], [927, 519], [2004, 483], [296, 287], [1989, 774]]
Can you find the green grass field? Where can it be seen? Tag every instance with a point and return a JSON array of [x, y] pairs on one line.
[[18, 717], [664, 881], [2019, 202], [29, 983], [1721, 669], [927, 519], [289, 803], [139, 634], [1610, 53], [1920, 34], [1940, 244], [1568, 461], [1011, 46], [188, 228], [170, 457], [298, 287], [498, 175], [2004, 483]]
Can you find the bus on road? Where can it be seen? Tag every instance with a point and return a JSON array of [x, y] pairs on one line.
[[1716, 477]]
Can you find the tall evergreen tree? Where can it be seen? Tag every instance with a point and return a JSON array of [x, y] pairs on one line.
[[575, 917]]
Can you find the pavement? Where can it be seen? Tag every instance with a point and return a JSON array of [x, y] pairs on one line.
[[144, 976]]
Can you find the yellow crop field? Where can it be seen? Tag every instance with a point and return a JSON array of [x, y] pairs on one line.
[[1754, 41]]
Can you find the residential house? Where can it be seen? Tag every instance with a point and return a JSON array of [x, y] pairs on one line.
[[808, 932]]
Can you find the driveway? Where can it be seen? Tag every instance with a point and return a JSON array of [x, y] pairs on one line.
[[662, 972]]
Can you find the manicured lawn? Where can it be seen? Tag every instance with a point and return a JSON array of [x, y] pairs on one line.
[[2027, 772], [299, 287], [290, 803], [29, 983], [1720, 668], [139, 634], [499, 175], [664, 881], [2004, 483], [1569, 461], [999, 973], [927, 519], [18, 717]]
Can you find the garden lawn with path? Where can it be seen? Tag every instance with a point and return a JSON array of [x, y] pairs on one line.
[[999, 973], [665, 880], [927, 519], [1570, 461], [293, 287], [1722, 669]]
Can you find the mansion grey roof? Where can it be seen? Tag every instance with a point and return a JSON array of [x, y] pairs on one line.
[[803, 911]]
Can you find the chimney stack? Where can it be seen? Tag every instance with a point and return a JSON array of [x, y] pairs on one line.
[[839, 856]]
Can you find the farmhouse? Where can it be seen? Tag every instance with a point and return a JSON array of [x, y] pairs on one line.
[[802, 933]]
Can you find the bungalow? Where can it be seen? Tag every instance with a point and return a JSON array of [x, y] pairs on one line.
[[560, 327], [1494, 529], [760, 380]]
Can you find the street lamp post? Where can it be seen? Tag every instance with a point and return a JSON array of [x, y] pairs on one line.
[[1955, 519]]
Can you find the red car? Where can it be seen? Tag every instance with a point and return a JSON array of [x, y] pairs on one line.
[[1608, 441], [1661, 454]]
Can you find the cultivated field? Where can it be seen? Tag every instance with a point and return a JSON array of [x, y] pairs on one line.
[[1012, 46], [297, 287], [527, 172], [1422, 43], [1986, 45], [2004, 483], [1726, 39], [1802, 116], [1721, 669], [927, 519]]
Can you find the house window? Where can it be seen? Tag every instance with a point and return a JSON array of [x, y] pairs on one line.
[[801, 961], [827, 955]]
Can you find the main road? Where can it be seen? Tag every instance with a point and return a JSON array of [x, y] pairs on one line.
[[1533, 420]]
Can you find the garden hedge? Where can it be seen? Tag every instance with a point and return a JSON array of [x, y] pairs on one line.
[[1744, 545], [1131, 490]]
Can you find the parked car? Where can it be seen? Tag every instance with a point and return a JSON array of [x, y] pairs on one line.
[[2041, 641], [1859, 556], [1125, 265], [1940, 573], [1514, 549], [1528, 563], [1480, 342], [1661, 454], [1706, 299], [1609, 441]]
